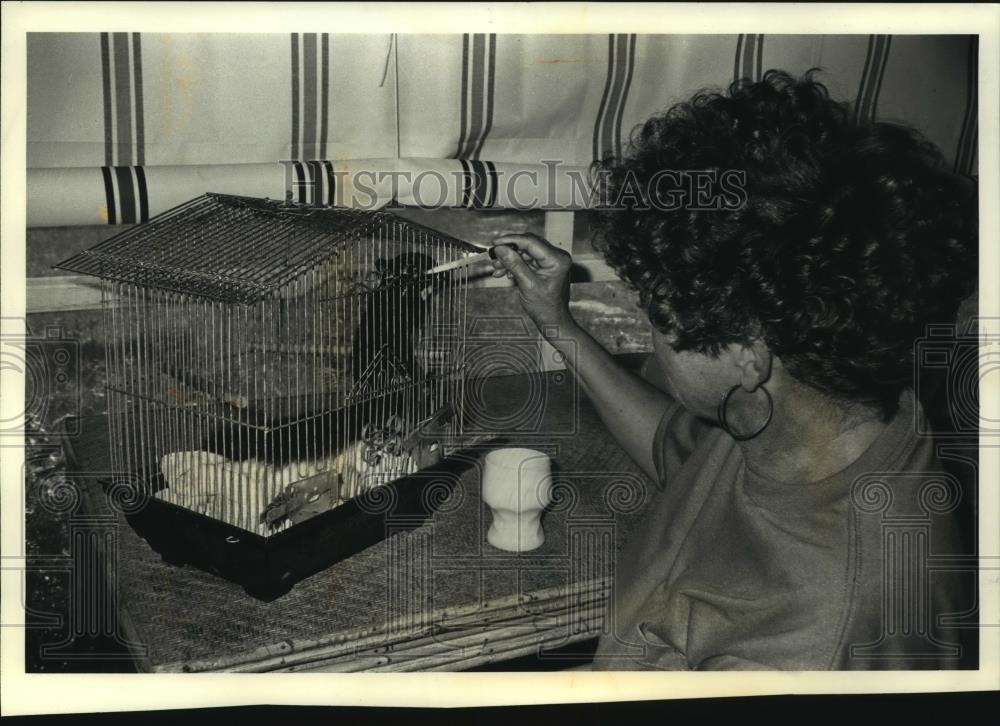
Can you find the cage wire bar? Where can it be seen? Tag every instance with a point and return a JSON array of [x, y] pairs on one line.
[[255, 343]]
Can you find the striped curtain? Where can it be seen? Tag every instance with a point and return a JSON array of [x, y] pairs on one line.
[[122, 126]]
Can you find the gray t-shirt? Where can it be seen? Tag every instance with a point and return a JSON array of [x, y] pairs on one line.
[[730, 570]]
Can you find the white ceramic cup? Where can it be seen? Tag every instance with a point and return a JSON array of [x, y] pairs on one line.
[[517, 486]]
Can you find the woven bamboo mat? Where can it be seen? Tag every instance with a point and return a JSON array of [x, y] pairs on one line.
[[437, 597]]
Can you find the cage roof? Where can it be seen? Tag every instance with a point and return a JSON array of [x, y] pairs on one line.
[[240, 249]]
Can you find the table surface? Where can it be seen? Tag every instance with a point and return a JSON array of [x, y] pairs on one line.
[[438, 597]]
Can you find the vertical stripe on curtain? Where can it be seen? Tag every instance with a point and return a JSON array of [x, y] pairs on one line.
[[312, 180], [749, 58], [617, 82], [866, 104], [478, 89], [965, 154], [479, 179], [310, 54], [480, 183], [124, 130]]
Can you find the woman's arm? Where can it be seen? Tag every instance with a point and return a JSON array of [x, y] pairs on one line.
[[629, 406]]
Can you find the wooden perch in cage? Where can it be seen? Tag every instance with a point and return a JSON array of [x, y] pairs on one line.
[[204, 385], [333, 351]]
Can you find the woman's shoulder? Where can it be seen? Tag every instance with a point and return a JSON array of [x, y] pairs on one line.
[[907, 521]]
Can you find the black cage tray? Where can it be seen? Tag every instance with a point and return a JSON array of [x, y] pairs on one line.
[[268, 567]]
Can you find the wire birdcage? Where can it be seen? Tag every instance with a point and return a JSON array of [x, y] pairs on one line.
[[268, 361]]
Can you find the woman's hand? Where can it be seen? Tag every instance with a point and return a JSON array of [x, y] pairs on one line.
[[629, 407], [541, 272]]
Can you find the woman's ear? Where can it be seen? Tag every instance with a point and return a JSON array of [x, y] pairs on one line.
[[755, 365]]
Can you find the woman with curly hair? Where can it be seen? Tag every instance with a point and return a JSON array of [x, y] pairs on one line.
[[784, 316]]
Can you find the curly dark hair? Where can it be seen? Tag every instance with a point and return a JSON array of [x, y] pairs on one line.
[[851, 237]]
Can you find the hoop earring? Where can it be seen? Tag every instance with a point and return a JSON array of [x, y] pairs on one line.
[[721, 415]]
